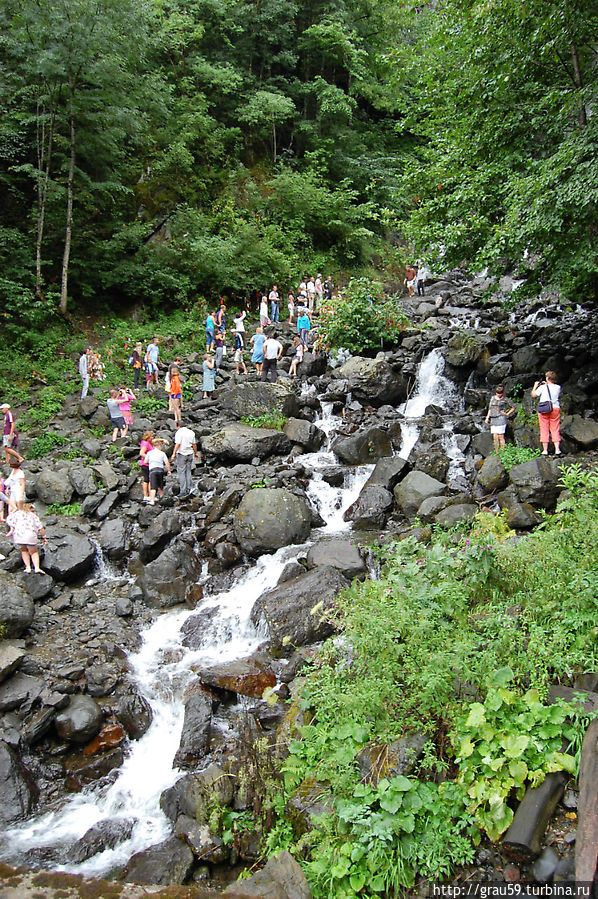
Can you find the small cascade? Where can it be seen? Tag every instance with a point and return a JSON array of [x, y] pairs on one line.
[[431, 388], [102, 568]]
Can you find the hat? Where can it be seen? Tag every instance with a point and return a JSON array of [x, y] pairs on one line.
[[5, 406]]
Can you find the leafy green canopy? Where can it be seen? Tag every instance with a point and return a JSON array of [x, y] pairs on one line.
[[507, 161]]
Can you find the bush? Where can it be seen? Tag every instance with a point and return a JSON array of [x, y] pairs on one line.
[[364, 318], [268, 420], [44, 444]]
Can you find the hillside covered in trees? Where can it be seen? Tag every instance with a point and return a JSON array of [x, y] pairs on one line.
[[158, 149]]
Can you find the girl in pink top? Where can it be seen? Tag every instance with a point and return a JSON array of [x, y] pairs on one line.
[[145, 446], [125, 397], [24, 527]]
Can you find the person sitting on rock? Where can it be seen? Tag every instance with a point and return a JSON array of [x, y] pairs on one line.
[[499, 410], [297, 357]]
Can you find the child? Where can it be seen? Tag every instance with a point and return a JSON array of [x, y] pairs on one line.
[[499, 410], [3, 500], [159, 465], [144, 447], [209, 375], [219, 354], [297, 357], [24, 527], [239, 361], [175, 394]]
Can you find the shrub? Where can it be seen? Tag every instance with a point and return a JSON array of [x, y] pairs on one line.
[[363, 318], [69, 510], [511, 455], [44, 444], [272, 420]]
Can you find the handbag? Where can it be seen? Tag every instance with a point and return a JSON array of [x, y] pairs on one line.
[[545, 407]]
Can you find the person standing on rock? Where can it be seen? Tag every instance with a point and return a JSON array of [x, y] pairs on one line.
[[147, 444], [264, 319], [238, 357], [126, 397], [274, 304], [548, 394], [291, 305], [175, 394], [117, 420], [84, 371], [159, 467], [152, 357], [311, 293], [219, 354], [24, 526], [328, 288], [319, 292], [422, 277], [210, 331], [304, 327], [221, 319], [9, 433], [499, 410], [409, 280], [272, 353], [257, 342], [209, 375], [185, 448], [137, 363], [15, 482]]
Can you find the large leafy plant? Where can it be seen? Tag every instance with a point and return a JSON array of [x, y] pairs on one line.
[[364, 317]]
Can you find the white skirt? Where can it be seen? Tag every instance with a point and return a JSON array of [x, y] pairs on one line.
[[498, 429]]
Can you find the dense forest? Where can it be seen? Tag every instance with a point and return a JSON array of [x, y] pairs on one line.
[[161, 149]]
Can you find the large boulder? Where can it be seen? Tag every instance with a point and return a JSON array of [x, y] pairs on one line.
[[69, 556], [241, 442], [195, 736], [159, 534], [247, 677], [259, 398], [304, 433], [456, 513], [373, 381], [583, 431], [492, 475], [280, 878], [114, 538], [17, 789], [364, 446], [106, 474], [105, 835], [518, 515], [370, 508], [16, 610], [167, 581], [83, 481], [196, 794], [20, 690], [414, 489], [135, 714], [11, 656], [297, 609], [536, 482], [80, 721], [166, 863], [338, 552], [269, 518], [466, 347], [54, 486], [388, 472]]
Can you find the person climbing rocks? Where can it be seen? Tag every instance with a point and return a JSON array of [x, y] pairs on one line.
[[272, 353], [10, 436], [409, 280], [499, 411], [175, 394], [84, 371], [152, 359], [185, 448], [147, 444], [114, 402], [159, 467]]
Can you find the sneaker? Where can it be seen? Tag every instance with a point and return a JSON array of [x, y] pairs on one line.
[[151, 502], [28, 571], [544, 453], [145, 499], [38, 570]]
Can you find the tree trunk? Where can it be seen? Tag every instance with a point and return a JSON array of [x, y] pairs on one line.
[[582, 116], [69, 215], [274, 139], [44, 156]]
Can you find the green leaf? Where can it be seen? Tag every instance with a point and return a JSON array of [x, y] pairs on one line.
[[561, 761], [466, 748], [357, 882], [515, 746], [477, 715], [518, 770], [502, 676]]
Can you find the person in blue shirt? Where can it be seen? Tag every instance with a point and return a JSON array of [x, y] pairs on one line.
[[152, 355], [303, 326], [210, 332]]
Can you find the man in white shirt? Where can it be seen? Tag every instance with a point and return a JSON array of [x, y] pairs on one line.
[[84, 371], [274, 304], [272, 353], [319, 291], [185, 448], [311, 293]]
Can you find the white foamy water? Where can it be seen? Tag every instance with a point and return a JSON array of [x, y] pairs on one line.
[[431, 388]]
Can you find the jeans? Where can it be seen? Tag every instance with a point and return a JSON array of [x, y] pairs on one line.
[[274, 311], [85, 387], [184, 464], [136, 377], [210, 337], [269, 366]]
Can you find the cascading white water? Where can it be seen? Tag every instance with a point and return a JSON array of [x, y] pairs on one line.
[[431, 388], [163, 669]]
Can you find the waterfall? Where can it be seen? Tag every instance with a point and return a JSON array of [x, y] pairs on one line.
[[431, 388], [162, 670]]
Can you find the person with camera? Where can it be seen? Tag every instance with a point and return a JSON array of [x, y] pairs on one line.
[[549, 412]]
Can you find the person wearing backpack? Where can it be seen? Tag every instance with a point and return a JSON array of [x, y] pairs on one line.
[[549, 411]]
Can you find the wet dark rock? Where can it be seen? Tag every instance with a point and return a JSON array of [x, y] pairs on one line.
[[107, 504], [83, 481], [268, 519], [38, 725], [83, 771], [536, 482], [370, 508], [80, 721], [523, 839], [106, 474], [11, 656], [88, 405], [333, 476], [135, 714], [465, 348], [196, 629], [339, 552], [195, 737], [54, 486], [305, 434], [586, 850], [584, 431], [520, 516], [257, 398], [248, 677], [430, 508], [20, 690], [223, 504], [124, 607], [414, 489], [166, 863], [363, 447], [388, 472], [69, 556], [17, 789], [91, 503], [281, 878], [373, 381], [159, 534], [194, 794], [545, 865], [483, 443], [228, 553], [242, 442], [456, 513], [101, 680], [105, 835], [202, 842], [288, 608], [38, 586], [168, 579], [492, 476], [16, 609], [291, 570], [114, 538]]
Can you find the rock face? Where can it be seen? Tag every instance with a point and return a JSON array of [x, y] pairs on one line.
[[241, 442], [337, 552], [370, 508], [17, 791], [583, 431], [248, 677], [195, 737], [288, 608], [414, 489], [305, 434], [80, 721], [268, 519], [167, 863], [536, 482], [69, 557], [54, 486], [259, 397], [167, 580], [372, 381], [16, 610], [365, 446], [281, 878]]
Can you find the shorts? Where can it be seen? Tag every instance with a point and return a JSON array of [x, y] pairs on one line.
[[118, 423], [30, 546], [6, 440], [238, 355], [411, 283], [498, 429], [145, 473], [174, 402], [156, 478]]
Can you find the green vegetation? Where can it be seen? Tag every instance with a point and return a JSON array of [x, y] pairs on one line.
[[363, 318], [511, 455], [45, 443], [272, 420], [69, 510], [460, 638]]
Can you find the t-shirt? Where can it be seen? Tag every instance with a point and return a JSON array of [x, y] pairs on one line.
[[25, 526], [555, 392], [239, 323], [144, 445], [311, 287], [156, 459], [497, 410], [83, 365], [263, 309], [303, 323], [175, 385], [185, 438], [114, 408], [15, 484], [8, 422], [273, 296], [272, 348], [152, 353]]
